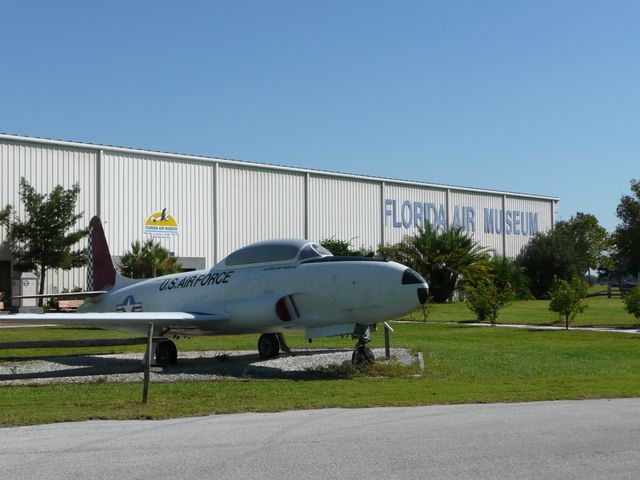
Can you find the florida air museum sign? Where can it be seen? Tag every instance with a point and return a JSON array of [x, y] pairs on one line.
[[407, 214]]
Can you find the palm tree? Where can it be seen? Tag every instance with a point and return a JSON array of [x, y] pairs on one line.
[[507, 273], [445, 256], [148, 260]]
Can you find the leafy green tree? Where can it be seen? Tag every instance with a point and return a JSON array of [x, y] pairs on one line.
[[444, 257], [148, 260], [632, 302], [42, 242], [486, 299], [544, 257], [568, 298], [590, 241], [616, 267], [567, 251], [627, 234]]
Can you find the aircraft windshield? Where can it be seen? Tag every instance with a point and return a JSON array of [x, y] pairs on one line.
[[313, 250], [273, 251]]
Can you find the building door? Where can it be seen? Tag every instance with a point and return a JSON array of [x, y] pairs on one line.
[[5, 281]]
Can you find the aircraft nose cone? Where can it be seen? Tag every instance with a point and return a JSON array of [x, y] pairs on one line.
[[423, 295], [411, 277]]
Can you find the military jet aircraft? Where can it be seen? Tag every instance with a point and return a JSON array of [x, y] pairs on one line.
[[270, 288]]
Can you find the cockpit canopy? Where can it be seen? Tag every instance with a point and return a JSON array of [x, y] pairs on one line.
[[280, 251]]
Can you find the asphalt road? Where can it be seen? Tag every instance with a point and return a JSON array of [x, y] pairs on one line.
[[592, 439]]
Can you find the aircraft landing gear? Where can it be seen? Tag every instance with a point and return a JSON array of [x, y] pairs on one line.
[[166, 353], [268, 345], [362, 354], [283, 344]]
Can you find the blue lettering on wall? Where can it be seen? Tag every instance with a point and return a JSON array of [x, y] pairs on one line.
[[387, 210], [442, 217], [431, 207], [507, 219], [465, 218], [512, 222], [406, 214], [418, 214], [493, 220], [391, 212], [533, 223], [488, 220], [471, 219], [457, 223]]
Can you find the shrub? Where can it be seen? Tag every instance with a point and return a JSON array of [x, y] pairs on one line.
[[567, 298], [342, 248], [632, 302], [427, 308], [486, 299]]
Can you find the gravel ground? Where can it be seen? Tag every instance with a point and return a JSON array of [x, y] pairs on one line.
[[192, 366]]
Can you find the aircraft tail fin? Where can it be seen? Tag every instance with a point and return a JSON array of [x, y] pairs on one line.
[[101, 273]]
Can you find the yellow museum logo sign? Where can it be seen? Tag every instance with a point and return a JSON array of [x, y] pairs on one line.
[[161, 224]]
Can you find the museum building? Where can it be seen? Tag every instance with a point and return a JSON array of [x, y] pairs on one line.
[[201, 209]]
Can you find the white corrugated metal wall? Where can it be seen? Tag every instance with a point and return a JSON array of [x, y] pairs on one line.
[[44, 167], [344, 209], [134, 187], [258, 204], [221, 205]]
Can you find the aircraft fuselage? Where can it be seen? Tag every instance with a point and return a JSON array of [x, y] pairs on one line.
[[271, 298]]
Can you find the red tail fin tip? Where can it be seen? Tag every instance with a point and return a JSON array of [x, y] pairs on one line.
[[101, 274]]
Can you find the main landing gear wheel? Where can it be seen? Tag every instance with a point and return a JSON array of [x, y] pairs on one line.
[[166, 353], [268, 345]]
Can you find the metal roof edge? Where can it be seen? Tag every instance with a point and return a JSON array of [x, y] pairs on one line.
[[264, 166]]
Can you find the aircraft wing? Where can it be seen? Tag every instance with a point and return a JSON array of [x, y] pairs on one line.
[[183, 321]]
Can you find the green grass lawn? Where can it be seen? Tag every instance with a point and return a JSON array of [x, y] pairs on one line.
[[602, 312], [463, 364]]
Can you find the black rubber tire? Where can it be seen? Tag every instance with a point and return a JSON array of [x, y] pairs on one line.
[[362, 356], [166, 353], [268, 345]]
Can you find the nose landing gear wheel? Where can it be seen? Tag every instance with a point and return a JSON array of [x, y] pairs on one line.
[[362, 356]]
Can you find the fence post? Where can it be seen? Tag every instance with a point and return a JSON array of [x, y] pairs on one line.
[[387, 346], [147, 365]]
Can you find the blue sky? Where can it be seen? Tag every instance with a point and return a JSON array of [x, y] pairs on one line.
[[537, 97]]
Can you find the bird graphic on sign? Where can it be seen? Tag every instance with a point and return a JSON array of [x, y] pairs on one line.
[[163, 216]]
